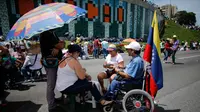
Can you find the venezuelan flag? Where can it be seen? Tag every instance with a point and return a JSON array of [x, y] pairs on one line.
[[152, 55]]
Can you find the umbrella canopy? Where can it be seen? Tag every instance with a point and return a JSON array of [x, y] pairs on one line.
[[129, 40], [43, 18]]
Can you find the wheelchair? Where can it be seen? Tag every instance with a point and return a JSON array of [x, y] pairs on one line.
[[130, 99]]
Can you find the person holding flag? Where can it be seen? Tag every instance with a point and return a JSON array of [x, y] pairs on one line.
[[152, 56]]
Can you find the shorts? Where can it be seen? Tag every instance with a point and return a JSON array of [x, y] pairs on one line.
[[109, 73]]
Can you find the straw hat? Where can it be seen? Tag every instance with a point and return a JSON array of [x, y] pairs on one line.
[[34, 47]]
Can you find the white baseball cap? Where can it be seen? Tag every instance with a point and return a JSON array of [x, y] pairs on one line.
[[134, 45], [174, 36]]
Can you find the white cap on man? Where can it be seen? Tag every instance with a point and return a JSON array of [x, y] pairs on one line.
[[134, 45], [174, 36]]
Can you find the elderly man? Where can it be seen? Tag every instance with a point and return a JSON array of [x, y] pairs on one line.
[[133, 73]]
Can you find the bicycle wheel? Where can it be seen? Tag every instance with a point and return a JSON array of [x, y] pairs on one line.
[[138, 101]]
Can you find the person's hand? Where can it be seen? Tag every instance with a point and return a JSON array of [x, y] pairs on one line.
[[55, 52], [18, 63], [117, 70], [62, 44], [111, 66]]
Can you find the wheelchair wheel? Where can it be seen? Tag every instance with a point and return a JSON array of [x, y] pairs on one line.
[[138, 101], [108, 108]]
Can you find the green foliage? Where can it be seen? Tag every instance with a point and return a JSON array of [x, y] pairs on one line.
[[181, 32], [185, 18], [67, 43]]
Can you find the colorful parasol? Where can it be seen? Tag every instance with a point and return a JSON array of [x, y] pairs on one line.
[[43, 18], [129, 40]]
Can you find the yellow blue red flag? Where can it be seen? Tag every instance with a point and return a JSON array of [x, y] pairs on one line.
[[152, 55]]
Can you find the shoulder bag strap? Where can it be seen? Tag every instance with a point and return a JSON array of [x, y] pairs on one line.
[[35, 60]]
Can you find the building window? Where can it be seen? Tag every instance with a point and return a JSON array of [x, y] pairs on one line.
[[107, 13], [92, 10]]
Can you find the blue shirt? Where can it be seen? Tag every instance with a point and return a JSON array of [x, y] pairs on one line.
[[104, 44], [135, 68]]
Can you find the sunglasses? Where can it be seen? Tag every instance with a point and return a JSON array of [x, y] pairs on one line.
[[110, 51]]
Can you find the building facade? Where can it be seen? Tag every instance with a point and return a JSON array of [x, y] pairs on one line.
[[169, 10], [105, 18]]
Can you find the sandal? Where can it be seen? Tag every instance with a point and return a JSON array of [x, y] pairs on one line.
[[105, 102]]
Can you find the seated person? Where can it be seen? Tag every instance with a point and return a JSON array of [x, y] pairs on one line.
[[19, 54], [32, 61], [10, 65], [71, 77], [113, 60], [2, 77], [134, 71]]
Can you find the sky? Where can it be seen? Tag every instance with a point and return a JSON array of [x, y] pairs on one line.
[[188, 5]]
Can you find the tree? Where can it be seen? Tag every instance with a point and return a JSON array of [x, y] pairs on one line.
[[191, 18], [185, 18]]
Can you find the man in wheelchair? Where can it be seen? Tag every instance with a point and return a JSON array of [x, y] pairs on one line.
[[132, 76]]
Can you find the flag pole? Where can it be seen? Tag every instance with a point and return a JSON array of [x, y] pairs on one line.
[[145, 72], [144, 78]]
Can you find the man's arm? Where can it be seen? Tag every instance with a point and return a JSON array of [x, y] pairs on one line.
[[123, 74], [60, 45], [130, 71]]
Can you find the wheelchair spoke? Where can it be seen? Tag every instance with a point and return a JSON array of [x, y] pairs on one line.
[[137, 98]]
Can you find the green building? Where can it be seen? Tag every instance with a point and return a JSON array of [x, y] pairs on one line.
[[105, 18]]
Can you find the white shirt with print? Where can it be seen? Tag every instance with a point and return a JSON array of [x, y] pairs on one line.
[[114, 60]]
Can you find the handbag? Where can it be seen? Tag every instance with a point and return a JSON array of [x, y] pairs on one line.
[[50, 62]]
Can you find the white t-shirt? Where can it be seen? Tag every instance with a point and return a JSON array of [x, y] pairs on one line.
[[30, 59], [114, 60]]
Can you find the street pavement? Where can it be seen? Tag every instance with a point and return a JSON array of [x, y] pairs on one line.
[[181, 92]]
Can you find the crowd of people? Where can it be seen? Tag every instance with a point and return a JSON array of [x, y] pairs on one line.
[[169, 47], [94, 47], [17, 60], [64, 71]]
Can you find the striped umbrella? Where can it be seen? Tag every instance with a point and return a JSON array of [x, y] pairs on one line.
[[43, 18]]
